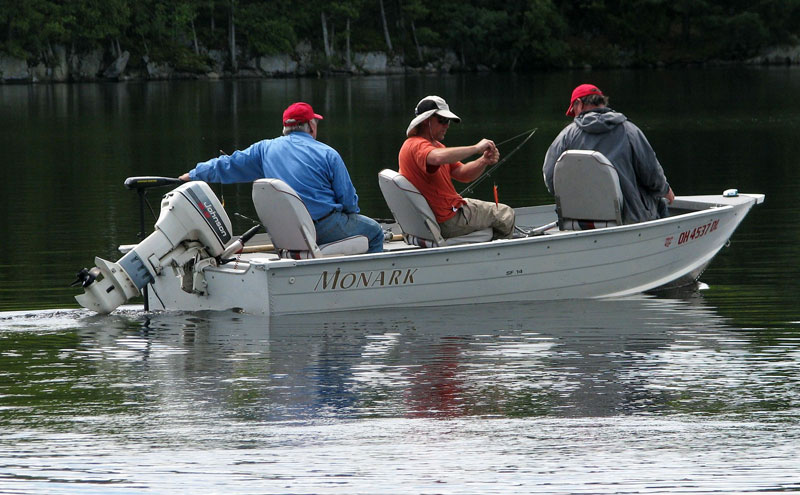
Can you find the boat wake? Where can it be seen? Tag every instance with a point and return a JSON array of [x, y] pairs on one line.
[[50, 320]]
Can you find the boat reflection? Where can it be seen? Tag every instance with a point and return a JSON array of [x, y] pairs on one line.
[[566, 358], [558, 359]]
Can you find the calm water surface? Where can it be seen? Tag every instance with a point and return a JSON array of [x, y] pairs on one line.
[[696, 392], [638, 395]]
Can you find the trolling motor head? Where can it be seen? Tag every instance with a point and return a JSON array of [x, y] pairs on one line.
[[192, 221]]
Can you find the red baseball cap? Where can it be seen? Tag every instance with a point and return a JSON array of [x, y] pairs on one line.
[[580, 92], [299, 113]]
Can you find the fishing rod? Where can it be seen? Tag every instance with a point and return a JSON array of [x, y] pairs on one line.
[[515, 137], [494, 167], [222, 194]]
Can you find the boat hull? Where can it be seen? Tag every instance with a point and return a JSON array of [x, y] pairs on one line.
[[608, 262]]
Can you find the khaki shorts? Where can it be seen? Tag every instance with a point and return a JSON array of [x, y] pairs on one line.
[[477, 215]]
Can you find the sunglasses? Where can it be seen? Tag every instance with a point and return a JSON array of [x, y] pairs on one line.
[[443, 120]]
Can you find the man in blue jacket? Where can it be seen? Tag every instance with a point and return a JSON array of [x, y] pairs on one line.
[[313, 169], [597, 127]]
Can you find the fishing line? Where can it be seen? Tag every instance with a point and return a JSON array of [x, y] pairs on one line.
[[254, 222], [494, 167], [515, 137]]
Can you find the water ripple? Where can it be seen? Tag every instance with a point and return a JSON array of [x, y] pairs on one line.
[[636, 395]]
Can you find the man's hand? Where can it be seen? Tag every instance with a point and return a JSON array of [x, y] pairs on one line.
[[491, 155], [185, 177], [484, 145], [670, 197]]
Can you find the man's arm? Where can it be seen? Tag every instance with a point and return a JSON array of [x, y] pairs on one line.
[[469, 171], [553, 152], [241, 166], [343, 190], [442, 156], [649, 172]]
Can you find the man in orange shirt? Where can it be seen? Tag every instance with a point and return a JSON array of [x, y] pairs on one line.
[[431, 166]]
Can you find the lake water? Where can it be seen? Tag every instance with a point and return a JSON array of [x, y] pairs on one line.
[[695, 392]]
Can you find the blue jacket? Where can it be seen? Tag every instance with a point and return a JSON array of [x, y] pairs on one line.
[[641, 177], [313, 169]]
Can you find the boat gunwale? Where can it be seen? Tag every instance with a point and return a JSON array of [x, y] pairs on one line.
[[709, 209]]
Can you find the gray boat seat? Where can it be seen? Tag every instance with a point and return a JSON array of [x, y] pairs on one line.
[[587, 191], [414, 215], [290, 226]]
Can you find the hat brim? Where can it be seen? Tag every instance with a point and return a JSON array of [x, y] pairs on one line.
[[293, 122], [412, 127]]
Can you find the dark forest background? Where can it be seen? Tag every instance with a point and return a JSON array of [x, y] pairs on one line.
[[502, 35]]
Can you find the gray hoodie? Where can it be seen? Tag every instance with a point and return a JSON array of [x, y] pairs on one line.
[[641, 177]]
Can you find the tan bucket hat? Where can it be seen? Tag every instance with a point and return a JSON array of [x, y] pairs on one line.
[[426, 108]]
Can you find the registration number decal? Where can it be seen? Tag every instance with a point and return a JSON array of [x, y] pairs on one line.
[[698, 232]]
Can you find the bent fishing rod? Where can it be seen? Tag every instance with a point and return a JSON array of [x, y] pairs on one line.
[[494, 167]]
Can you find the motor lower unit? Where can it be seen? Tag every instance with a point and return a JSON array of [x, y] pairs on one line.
[[191, 226]]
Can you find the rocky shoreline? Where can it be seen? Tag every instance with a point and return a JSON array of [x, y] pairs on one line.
[[101, 65], [62, 65]]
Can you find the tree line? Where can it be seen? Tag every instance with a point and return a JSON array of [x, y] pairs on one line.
[[499, 34]]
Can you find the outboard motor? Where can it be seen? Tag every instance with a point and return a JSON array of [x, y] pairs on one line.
[[192, 225]]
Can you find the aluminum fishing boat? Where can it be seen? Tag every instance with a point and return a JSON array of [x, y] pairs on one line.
[[577, 248]]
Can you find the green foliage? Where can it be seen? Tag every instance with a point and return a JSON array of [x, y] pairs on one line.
[[181, 58], [744, 33], [265, 29], [92, 22], [26, 27], [503, 34], [543, 31]]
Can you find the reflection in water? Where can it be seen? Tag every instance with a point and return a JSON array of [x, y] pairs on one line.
[[562, 359], [638, 394]]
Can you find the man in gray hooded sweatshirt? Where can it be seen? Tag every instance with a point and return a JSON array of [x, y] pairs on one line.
[[599, 128]]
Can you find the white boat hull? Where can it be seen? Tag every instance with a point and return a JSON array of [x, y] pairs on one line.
[[608, 262]]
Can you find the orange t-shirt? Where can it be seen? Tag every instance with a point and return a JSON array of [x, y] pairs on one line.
[[437, 186]]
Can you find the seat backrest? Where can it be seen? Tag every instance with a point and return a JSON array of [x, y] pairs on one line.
[[586, 187], [409, 207], [285, 217]]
